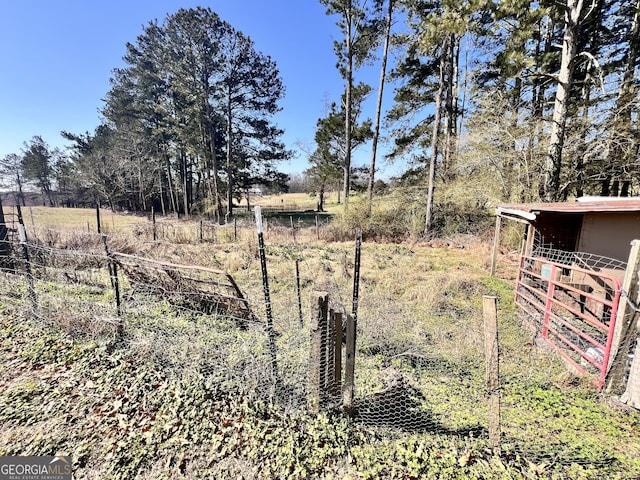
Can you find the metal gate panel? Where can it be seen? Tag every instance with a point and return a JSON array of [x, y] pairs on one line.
[[574, 309]]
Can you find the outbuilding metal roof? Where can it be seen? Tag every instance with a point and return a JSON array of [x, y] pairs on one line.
[[530, 211]]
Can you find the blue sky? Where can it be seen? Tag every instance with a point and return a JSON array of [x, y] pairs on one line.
[[57, 57]]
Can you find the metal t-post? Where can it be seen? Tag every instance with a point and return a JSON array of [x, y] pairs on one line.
[[356, 273], [267, 298]]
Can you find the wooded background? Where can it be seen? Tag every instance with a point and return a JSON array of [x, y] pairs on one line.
[[492, 101]]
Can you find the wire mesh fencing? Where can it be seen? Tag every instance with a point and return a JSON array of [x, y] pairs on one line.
[[188, 319], [195, 320], [294, 228], [418, 356]]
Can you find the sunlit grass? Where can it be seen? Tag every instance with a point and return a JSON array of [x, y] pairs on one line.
[[80, 219]]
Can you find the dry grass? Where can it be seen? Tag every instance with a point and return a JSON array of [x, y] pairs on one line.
[[79, 219], [294, 201]]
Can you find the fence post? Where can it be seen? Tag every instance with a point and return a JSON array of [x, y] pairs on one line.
[[267, 297], [317, 351], [115, 284], [490, 316], [27, 263], [349, 366], [299, 292], [201, 232], [317, 229], [330, 345], [5, 248], [496, 245], [98, 218], [356, 273], [337, 344], [626, 322], [235, 229]]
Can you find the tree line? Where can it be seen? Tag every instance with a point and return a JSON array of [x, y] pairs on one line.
[[492, 101], [186, 125]]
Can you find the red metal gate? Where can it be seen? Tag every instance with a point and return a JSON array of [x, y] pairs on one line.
[[573, 309]]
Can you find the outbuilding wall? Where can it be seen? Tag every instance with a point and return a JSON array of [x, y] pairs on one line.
[[609, 234]]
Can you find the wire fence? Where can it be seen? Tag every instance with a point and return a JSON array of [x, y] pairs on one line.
[[418, 361], [190, 319], [294, 227]]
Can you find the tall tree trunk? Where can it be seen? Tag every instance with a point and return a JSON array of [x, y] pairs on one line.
[[553, 164], [164, 212], [582, 146], [348, 119], [544, 45], [321, 199], [143, 201], [450, 79], [376, 131], [435, 133], [229, 159], [216, 176], [172, 193], [20, 192], [515, 158], [185, 184]]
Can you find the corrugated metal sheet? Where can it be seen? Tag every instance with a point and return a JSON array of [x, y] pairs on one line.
[[529, 211]]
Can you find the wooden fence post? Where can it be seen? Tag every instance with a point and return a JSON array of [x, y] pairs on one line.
[[490, 316], [27, 263], [317, 354], [496, 245], [330, 367], [98, 226], [5, 247], [626, 322], [527, 246]]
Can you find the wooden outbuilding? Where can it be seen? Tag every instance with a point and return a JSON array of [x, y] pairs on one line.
[[577, 284]]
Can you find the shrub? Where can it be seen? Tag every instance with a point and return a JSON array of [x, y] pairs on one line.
[[400, 214]]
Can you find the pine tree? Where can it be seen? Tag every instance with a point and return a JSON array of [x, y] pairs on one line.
[[359, 21]]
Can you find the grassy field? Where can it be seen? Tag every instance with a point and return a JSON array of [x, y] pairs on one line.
[[178, 397], [295, 201]]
